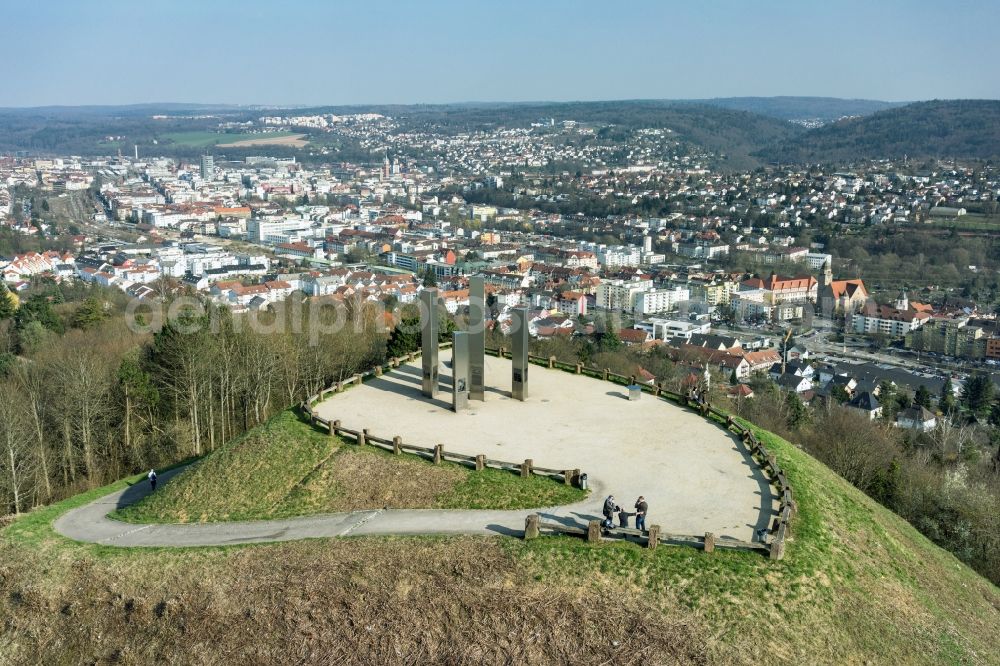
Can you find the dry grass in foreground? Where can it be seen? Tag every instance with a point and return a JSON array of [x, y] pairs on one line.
[[357, 601]]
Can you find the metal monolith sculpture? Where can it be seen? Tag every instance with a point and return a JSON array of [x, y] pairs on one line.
[[429, 340], [460, 371], [519, 354], [477, 338]]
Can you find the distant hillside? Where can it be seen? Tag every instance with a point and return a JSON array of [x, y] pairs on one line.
[[735, 133], [825, 109], [81, 130], [942, 129]]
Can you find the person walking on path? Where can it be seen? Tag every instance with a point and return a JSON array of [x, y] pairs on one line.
[[152, 479], [640, 513]]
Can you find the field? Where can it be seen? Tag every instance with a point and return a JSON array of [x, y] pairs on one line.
[[293, 140], [286, 468], [208, 139], [857, 585]]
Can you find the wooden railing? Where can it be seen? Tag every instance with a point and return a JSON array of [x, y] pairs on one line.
[[779, 531], [534, 526]]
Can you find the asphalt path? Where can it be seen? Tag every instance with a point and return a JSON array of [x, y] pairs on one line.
[[92, 523]]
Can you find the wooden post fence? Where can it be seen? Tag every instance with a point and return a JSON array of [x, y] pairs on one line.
[[531, 527], [654, 537]]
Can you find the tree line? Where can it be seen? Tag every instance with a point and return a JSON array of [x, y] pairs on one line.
[[85, 399]]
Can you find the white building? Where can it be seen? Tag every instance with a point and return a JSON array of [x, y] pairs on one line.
[[816, 260], [620, 294], [671, 329], [654, 301]]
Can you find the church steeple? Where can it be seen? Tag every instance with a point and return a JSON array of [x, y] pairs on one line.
[[903, 302]]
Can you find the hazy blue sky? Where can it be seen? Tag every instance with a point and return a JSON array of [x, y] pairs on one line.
[[369, 51]]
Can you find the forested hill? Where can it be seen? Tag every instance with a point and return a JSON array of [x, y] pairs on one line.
[[942, 129], [825, 109], [734, 133]]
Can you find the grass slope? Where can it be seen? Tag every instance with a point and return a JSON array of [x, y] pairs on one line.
[[857, 585], [206, 139], [286, 468]]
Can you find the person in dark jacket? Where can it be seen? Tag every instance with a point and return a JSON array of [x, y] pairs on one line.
[[152, 479], [641, 509], [623, 517], [609, 511]]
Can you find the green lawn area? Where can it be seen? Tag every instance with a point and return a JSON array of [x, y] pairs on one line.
[[287, 468], [206, 139]]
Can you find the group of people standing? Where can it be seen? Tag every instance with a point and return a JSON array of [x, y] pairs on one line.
[[611, 508]]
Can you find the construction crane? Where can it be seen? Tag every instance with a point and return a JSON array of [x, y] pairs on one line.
[[784, 349]]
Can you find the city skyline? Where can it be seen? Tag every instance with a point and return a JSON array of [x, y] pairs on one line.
[[317, 53]]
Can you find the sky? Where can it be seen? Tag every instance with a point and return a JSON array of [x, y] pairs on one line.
[[329, 52]]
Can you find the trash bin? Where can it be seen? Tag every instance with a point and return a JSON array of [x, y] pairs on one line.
[[634, 391], [583, 482]]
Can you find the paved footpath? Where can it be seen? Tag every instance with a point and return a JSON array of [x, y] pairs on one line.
[[91, 523]]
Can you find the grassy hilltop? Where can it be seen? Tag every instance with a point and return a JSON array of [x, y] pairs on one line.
[[857, 585], [286, 468]]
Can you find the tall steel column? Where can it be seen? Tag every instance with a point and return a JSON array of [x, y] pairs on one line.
[[460, 371], [477, 338], [429, 340], [519, 354]]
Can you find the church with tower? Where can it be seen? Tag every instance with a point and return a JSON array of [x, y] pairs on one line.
[[840, 296]]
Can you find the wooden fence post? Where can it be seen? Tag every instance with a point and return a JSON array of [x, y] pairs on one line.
[[397, 443], [579, 368], [531, 527], [334, 427], [607, 371], [594, 531], [378, 370], [653, 538], [340, 387], [568, 477], [526, 468], [709, 542], [438, 450], [552, 362], [480, 462], [363, 437]]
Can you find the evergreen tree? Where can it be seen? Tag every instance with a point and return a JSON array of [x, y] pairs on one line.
[[977, 393], [797, 413], [430, 277], [7, 308], [405, 338], [946, 403], [90, 313], [609, 340], [38, 309], [922, 398]]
